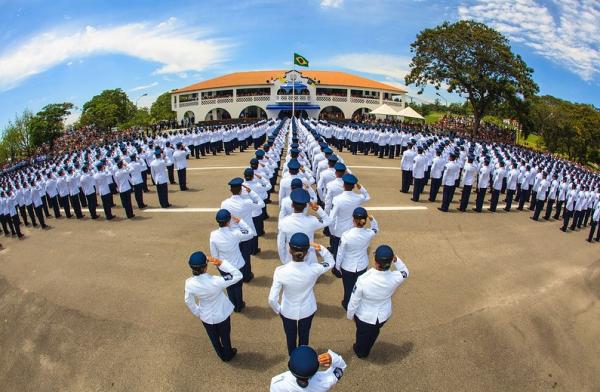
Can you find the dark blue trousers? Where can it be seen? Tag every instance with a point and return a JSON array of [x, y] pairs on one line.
[[366, 335], [349, 280], [297, 332], [220, 337]]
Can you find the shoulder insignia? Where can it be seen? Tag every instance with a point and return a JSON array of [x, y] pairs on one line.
[[228, 277], [374, 230], [244, 231], [338, 373], [404, 274], [354, 289], [325, 264]]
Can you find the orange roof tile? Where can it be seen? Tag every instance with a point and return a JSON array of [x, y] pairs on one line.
[[255, 78]]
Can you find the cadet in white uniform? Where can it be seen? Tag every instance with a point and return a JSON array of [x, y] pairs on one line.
[[298, 222], [158, 170], [343, 207], [449, 182], [242, 207], [180, 162], [406, 164], [296, 280], [304, 374], [124, 187], [370, 305], [225, 245], [595, 220], [213, 307], [353, 259], [101, 178]]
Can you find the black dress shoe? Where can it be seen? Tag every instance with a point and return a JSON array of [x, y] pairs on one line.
[[441, 209], [233, 354]]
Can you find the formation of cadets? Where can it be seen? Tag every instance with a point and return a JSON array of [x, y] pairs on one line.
[[88, 178], [316, 192], [552, 188]]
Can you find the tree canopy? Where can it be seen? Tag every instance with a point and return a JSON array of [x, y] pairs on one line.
[[161, 108], [108, 109], [473, 60], [568, 128], [48, 123]]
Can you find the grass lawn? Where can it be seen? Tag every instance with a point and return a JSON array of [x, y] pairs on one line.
[[433, 117]]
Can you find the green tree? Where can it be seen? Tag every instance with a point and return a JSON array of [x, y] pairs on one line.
[[567, 128], [108, 109], [16, 136], [473, 60], [141, 118], [48, 123], [161, 108]]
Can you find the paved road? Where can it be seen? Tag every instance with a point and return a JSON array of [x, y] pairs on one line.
[[495, 302]]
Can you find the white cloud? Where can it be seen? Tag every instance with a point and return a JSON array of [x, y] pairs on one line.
[[72, 118], [390, 69], [147, 100], [331, 3], [390, 66], [144, 87], [569, 39], [169, 43]]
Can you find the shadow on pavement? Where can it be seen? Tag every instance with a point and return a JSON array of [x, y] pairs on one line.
[[268, 255], [258, 312], [330, 311], [385, 352], [261, 281], [256, 361]]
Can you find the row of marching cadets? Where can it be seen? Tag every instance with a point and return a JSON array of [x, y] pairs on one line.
[[334, 204], [73, 181], [550, 187]]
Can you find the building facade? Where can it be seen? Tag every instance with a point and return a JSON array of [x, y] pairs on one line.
[[272, 94]]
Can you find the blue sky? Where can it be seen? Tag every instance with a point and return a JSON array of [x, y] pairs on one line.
[[69, 51]]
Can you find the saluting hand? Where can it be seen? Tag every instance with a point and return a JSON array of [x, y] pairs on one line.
[[316, 246], [214, 261], [246, 188], [314, 206], [358, 185], [257, 175], [370, 217], [235, 219], [325, 359]]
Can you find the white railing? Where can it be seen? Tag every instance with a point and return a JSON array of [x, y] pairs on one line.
[[257, 98], [209, 101], [372, 101], [393, 103], [224, 100], [295, 98], [357, 100], [189, 103], [339, 99]]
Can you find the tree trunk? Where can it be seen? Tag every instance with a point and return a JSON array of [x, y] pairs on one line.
[[476, 122]]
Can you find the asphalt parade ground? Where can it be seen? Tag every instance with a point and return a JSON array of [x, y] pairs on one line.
[[494, 302]]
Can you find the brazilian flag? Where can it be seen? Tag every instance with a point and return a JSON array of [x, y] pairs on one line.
[[300, 61]]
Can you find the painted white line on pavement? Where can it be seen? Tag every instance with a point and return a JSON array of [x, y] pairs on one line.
[[396, 208], [374, 167], [196, 209], [217, 167]]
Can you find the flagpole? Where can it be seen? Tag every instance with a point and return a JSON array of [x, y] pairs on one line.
[[294, 91]]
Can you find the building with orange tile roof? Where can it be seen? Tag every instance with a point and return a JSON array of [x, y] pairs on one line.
[[272, 94]]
